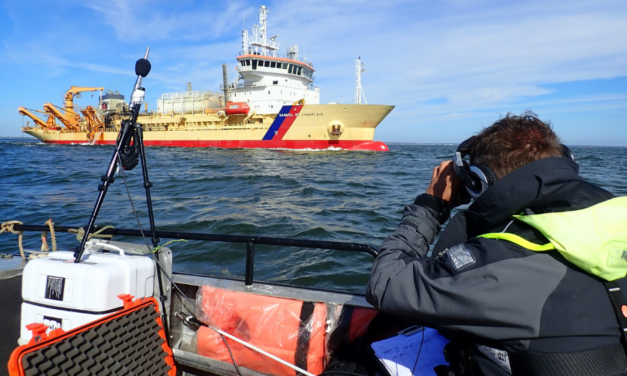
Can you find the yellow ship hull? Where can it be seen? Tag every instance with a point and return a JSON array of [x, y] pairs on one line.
[[349, 127]]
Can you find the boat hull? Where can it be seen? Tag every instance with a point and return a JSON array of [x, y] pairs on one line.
[[317, 127]]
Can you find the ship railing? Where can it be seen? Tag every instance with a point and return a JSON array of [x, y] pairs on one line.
[[282, 56], [263, 84], [189, 94], [250, 241]]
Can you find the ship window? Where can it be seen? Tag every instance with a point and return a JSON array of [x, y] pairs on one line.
[[273, 64], [284, 65], [275, 82], [300, 69], [248, 62], [290, 70], [278, 65], [254, 64], [268, 91], [266, 63]]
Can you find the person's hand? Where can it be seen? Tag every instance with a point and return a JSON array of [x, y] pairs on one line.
[[445, 185]]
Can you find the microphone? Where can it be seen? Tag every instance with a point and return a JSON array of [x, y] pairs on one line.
[[129, 154], [142, 68]]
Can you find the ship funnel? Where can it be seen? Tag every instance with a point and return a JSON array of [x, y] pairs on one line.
[[225, 83]]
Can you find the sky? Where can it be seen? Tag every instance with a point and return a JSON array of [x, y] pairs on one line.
[[450, 67]]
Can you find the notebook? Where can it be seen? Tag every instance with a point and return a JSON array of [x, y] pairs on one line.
[[398, 354]]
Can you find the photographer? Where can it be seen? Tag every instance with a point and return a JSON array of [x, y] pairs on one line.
[[510, 308]]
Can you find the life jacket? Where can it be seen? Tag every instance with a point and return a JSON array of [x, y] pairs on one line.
[[595, 240], [289, 329]]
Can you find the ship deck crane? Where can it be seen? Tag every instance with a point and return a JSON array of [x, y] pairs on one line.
[[69, 119], [94, 124], [75, 92], [49, 124]]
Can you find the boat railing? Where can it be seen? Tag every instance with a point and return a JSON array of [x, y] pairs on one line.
[[263, 84], [282, 56], [250, 241], [198, 94]]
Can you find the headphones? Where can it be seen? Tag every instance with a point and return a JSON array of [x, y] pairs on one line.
[[476, 177]]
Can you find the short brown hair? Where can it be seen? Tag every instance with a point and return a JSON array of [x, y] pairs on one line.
[[514, 141]]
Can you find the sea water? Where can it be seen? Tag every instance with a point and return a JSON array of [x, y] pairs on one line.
[[325, 195]]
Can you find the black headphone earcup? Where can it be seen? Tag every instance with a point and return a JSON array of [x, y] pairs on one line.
[[488, 172], [567, 153]]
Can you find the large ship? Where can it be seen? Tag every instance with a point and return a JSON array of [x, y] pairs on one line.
[[272, 103]]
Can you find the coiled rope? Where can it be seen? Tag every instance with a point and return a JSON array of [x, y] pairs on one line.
[[80, 233], [45, 249], [8, 227], [53, 238]]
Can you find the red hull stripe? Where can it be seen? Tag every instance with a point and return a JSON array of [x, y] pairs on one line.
[[276, 124], [287, 123], [253, 144]]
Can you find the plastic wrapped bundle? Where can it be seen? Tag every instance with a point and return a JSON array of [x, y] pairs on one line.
[[289, 329]]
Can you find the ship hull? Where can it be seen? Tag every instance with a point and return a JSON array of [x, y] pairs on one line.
[[317, 127]]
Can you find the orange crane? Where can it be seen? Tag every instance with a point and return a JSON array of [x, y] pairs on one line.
[[75, 92], [94, 124], [49, 124], [69, 119]]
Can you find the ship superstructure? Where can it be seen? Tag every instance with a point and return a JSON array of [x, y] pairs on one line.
[[267, 80], [272, 103]]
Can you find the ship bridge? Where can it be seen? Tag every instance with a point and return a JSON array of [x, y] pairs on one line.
[[267, 80]]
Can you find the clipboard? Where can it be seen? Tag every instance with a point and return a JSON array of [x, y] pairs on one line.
[[397, 355]]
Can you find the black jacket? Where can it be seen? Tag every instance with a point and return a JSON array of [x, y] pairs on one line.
[[495, 292]]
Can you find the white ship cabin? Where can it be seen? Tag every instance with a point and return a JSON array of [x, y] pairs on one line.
[[266, 80]]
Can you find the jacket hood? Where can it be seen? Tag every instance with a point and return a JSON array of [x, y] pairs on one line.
[[541, 186]]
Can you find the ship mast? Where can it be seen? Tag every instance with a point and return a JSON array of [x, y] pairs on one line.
[[359, 91], [259, 38]]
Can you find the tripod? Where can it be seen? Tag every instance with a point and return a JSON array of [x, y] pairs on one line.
[[130, 131]]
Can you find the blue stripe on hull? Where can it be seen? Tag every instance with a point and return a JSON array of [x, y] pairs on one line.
[[276, 124]]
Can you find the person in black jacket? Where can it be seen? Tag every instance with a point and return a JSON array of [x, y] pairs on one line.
[[510, 310]]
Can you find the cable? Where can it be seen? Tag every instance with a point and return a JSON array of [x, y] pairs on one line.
[[221, 332], [419, 349], [156, 259]]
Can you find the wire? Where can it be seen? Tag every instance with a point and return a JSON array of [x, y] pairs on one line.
[[221, 332], [419, 349], [156, 259]]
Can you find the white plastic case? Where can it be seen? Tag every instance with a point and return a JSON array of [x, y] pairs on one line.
[[87, 290]]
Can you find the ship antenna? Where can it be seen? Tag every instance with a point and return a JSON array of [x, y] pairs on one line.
[[359, 91]]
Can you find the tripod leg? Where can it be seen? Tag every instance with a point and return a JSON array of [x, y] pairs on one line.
[[123, 139], [139, 138]]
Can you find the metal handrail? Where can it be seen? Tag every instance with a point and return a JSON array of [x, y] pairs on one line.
[[281, 56], [250, 241]]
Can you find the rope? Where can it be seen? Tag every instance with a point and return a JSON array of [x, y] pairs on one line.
[[80, 233], [8, 227], [53, 238]]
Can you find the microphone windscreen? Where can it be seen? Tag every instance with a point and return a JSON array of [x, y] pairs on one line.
[[142, 67]]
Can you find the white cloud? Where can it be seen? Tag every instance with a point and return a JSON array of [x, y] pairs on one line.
[[435, 61]]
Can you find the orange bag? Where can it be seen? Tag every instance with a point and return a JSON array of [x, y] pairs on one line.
[[289, 329]]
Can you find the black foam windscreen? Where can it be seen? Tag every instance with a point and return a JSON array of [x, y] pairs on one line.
[[142, 67]]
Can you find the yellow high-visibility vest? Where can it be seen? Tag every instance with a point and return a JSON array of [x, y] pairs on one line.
[[594, 239]]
